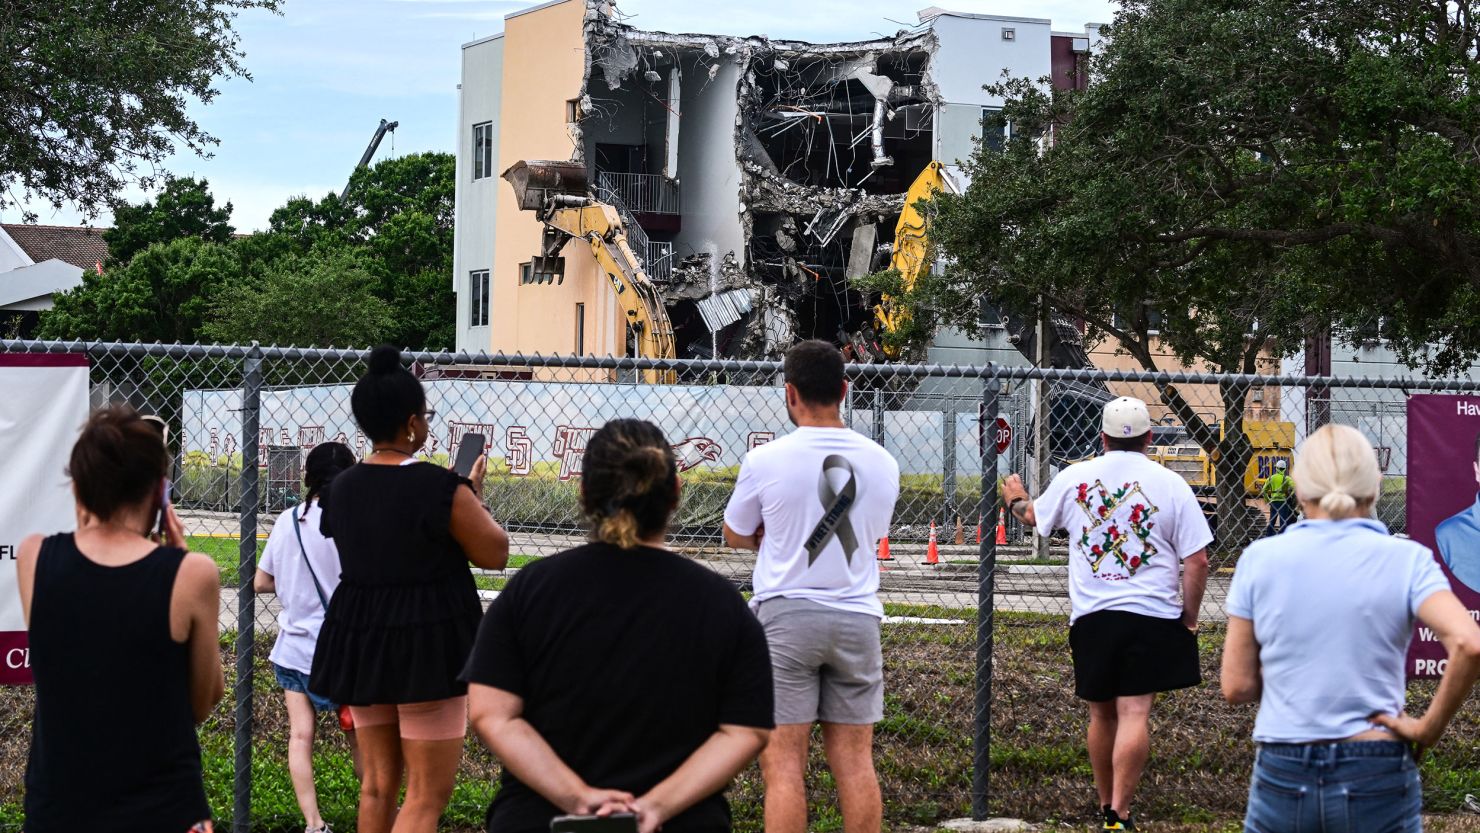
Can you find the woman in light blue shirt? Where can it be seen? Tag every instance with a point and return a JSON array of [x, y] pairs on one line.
[[1318, 629]]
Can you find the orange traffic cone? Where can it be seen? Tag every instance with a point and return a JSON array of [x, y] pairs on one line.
[[1001, 526], [884, 549], [932, 552], [978, 529], [960, 532]]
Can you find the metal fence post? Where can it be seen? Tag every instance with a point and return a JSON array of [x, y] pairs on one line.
[[948, 461], [246, 613], [878, 427], [986, 570]]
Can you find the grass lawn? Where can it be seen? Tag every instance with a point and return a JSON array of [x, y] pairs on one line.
[[226, 552], [1196, 782]]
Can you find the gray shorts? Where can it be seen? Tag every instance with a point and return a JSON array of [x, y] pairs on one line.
[[827, 663]]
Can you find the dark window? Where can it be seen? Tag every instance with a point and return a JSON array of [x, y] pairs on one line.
[[478, 299], [995, 131], [580, 329], [483, 150], [526, 273]]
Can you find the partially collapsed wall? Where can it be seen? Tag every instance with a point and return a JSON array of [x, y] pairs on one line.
[[825, 141]]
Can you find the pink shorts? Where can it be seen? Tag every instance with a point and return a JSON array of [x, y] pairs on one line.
[[432, 720]]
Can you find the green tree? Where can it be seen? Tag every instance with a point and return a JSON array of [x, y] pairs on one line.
[[1239, 175], [398, 214], [162, 294], [184, 208], [96, 95], [303, 301]]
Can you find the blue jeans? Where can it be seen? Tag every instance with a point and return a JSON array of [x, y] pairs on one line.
[[1353, 787], [1281, 515]]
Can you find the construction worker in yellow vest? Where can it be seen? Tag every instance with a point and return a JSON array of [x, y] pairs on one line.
[[1279, 490]]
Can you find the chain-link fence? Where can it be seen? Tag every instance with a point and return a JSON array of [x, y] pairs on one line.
[[980, 716]]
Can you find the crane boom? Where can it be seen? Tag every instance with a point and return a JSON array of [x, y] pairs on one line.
[[384, 128]]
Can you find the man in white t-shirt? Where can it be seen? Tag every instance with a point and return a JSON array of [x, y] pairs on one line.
[[1136, 537], [814, 504]]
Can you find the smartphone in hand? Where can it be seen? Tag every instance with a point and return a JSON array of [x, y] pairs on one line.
[[165, 490], [469, 449], [614, 823]]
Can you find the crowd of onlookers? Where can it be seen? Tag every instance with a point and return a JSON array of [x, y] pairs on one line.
[[619, 679]]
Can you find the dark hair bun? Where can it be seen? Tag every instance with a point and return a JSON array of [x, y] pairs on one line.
[[385, 359]]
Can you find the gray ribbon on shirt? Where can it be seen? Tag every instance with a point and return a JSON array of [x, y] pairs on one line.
[[835, 505]]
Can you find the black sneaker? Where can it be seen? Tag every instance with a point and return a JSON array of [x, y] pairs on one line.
[[1114, 822]]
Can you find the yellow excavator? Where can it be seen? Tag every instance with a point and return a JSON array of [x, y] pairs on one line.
[[557, 193], [910, 248]]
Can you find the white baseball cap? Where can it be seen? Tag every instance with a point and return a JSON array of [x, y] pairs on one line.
[[1125, 417], [1279, 464]]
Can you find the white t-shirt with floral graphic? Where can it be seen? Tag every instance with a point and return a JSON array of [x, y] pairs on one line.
[[1130, 523]]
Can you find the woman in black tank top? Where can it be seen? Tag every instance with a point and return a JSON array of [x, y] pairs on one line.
[[123, 641]]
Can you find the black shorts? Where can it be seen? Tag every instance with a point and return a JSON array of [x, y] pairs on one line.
[[1122, 654]]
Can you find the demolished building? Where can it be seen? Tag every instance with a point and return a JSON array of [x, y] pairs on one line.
[[754, 177]]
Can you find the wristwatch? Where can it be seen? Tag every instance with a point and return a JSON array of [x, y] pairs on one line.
[[1012, 504]]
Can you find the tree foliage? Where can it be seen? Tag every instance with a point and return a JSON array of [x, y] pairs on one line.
[[1269, 166], [303, 301], [387, 249], [1239, 175], [95, 95], [162, 294], [184, 208]]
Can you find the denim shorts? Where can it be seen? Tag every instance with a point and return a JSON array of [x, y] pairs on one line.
[[1352, 787], [291, 680]]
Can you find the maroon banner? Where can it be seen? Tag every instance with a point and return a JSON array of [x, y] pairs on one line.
[[43, 360], [15, 658], [1443, 507]]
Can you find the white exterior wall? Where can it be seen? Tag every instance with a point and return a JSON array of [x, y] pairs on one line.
[[708, 166], [479, 98], [12, 256], [970, 54]]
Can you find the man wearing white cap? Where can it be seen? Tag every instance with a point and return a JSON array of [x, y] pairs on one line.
[[1137, 569]]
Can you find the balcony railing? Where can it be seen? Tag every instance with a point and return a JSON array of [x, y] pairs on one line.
[[641, 193], [660, 262]]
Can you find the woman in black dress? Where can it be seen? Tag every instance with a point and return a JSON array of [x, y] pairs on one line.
[[123, 646], [404, 617]]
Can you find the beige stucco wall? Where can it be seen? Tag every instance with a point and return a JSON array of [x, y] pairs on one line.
[[1261, 403], [543, 67]]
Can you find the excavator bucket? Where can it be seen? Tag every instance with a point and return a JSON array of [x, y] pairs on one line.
[[536, 181]]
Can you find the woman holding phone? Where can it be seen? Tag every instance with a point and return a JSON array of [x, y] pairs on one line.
[[406, 611], [301, 566], [114, 605], [619, 676]]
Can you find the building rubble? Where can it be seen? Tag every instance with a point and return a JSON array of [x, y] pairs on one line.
[[822, 142]]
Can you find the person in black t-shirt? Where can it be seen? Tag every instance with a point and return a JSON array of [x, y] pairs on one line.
[[619, 676]]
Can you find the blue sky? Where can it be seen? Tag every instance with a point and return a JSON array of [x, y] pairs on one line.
[[326, 71]]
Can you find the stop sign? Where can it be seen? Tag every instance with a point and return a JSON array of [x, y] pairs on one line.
[[1004, 435]]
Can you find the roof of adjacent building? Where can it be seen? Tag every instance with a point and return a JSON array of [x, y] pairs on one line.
[[81, 246]]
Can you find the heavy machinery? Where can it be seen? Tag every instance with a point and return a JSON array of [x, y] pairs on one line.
[[557, 193], [1271, 440], [380, 131], [910, 247]]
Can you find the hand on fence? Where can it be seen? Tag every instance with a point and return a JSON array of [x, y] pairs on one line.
[[1013, 489]]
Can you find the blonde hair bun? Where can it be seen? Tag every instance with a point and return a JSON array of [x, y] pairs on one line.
[[1336, 469]]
